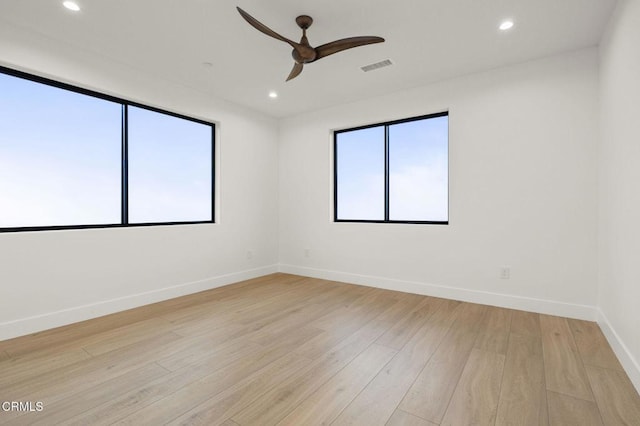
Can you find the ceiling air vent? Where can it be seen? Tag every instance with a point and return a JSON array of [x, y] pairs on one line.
[[377, 65]]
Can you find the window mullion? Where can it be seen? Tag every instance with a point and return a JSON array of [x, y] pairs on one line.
[[125, 164], [386, 173]]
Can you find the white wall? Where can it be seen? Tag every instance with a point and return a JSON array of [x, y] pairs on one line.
[[56, 277], [619, 195], [522, 192]]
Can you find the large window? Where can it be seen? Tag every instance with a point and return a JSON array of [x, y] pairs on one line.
[[393, 172], [72, 158]]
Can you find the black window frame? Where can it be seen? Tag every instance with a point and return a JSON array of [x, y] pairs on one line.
[[124, 196], [386, 125]]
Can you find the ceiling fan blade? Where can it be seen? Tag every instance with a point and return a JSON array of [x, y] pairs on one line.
[[264, 29], [297, 69], [344, 44]]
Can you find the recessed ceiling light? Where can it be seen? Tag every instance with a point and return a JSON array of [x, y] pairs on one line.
[[506, 25], [273, 94], [71, 5]]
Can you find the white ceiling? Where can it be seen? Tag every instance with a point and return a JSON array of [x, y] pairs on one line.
[[427, 40]]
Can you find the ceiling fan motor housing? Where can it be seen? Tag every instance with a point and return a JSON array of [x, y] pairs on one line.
[[304, 55]]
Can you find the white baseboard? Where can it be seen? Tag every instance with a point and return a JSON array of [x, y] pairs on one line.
[[628, 361], [541, 306], [46, 321]]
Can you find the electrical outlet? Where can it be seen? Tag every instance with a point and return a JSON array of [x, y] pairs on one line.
[[505, 273], [249, 255], [307, 252]]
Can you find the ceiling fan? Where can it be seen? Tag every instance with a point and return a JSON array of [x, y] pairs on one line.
[[302, 52]]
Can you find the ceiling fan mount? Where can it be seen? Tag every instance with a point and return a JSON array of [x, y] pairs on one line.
[[302, 52], [304, 21]]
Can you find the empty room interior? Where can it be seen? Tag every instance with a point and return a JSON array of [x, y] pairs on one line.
[[296, 212]]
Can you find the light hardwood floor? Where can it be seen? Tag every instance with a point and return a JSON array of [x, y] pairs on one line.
[[289, 350]]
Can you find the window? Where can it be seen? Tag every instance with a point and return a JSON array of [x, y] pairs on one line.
[[169, 168], [72, 158], [394, 172], [59, 156]]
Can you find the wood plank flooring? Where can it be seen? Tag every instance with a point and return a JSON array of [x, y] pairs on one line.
[[290, 350]]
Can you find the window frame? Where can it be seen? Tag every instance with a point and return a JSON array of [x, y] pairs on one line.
[[386, 125], [124, 196]]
